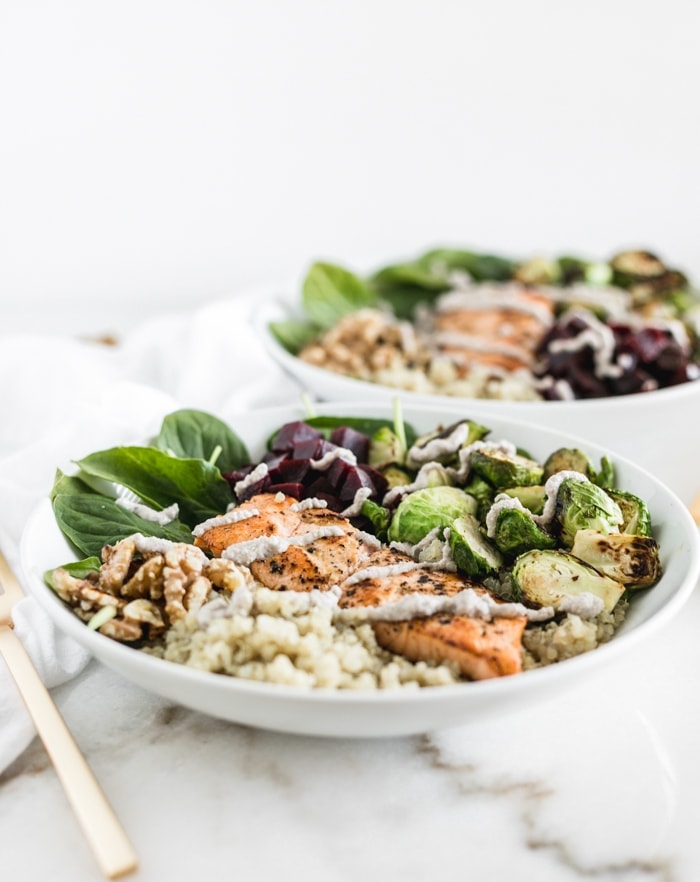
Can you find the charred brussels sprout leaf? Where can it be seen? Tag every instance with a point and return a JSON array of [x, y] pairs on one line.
[[420, 512], [472, 552], [631, 560], [581, 505], [506, 470], [482, 491], [545, 578], [378, 516]]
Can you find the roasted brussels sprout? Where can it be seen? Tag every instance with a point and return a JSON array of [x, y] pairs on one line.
[[538, 271], [568, 459], [630, 267], [545, 578], [472, 552], [513, 529], [396, 476], [503, 469], [386, 448], [444, 446], [632, 560], [636, 518], [420, 512], [482, 491], [533, 498], [582, 505]]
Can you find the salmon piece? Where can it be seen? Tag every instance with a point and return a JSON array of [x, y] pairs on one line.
[[327, 561], [387, 588], [275, 518], [482, 650], [509, 335]]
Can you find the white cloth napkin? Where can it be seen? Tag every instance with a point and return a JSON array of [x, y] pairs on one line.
[[61, 398]]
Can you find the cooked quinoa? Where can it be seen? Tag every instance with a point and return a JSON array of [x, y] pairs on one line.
[[285, 639]]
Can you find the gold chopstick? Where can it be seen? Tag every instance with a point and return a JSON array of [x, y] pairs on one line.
[[695, 509], [104, 833]]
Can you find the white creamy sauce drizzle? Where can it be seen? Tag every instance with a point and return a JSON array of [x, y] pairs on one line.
[[362, 494], [584, 605], [480, 344], [155, 545], [256, 475], [310, 502], [163, 517], [467, 602], [247, 552], [438, 447], [613, 300], [232, 516], [488, 297], [327, 460]]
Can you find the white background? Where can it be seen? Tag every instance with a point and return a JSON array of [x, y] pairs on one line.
[[158, 155]]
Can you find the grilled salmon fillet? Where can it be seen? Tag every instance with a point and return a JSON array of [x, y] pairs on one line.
[[325, 561], [503, 337], [275, 516], [481, 649]]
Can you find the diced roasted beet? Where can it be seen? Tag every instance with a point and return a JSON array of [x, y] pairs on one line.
[[291, 434], [337, 472], [290, 471], [273, 459], [354, 480], [311, 448], [381, 485], [358, 442], [319, 487], [261, 486], [290, 488]]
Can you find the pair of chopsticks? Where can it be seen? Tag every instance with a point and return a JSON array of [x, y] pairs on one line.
[[104, 833]]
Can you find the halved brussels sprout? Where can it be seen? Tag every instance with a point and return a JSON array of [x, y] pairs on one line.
[[581, 505], [472, 552], [420, 512], [503, 469], [632, 560], [545, 578], [636, 518]]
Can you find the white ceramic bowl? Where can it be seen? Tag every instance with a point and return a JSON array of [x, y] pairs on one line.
[[401, 712], [658, 430]]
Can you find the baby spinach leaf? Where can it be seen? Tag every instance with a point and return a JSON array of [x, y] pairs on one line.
[[329, 292], [159, 480], [68, 484], [199, 435], [90, 521], [79, 569], [411, 275], [294, 334], [481, 267]]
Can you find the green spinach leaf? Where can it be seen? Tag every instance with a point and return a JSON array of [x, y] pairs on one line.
[[159, 480], [196, 434], [90, 521], [329, 292]]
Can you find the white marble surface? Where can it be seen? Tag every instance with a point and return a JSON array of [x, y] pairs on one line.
[[601, 783]]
